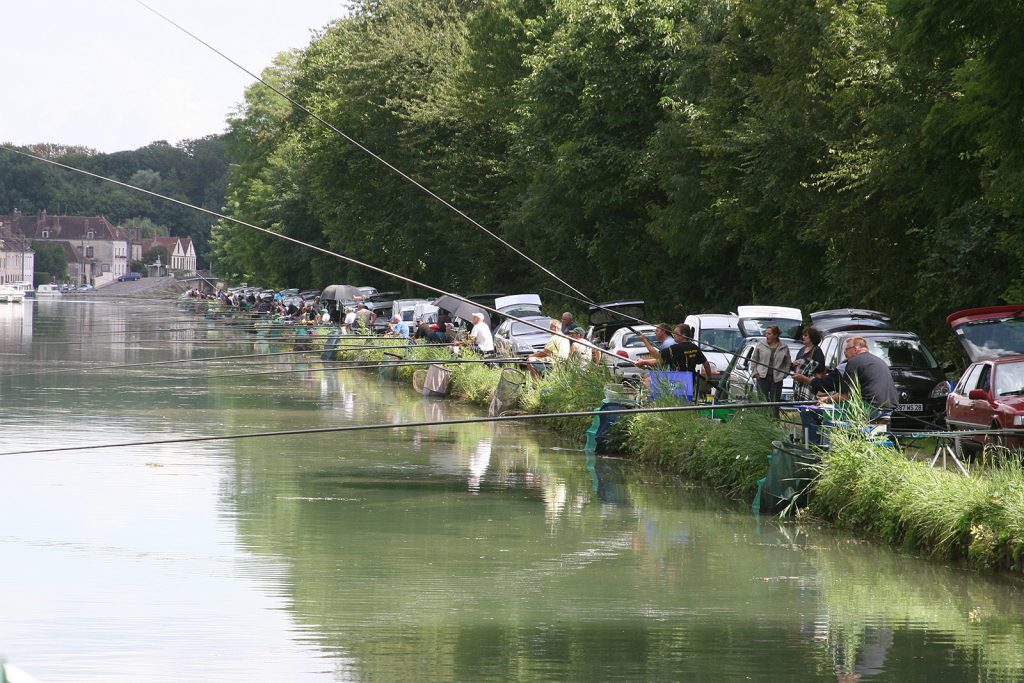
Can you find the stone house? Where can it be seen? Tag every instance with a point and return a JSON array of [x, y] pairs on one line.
[[96, 249], [17, 260]]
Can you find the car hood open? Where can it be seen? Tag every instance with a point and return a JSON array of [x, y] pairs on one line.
[[989, 332]]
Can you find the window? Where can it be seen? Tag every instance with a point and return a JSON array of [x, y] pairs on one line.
[[45, 234], [90, 235], [88, 252], [984, 380], [969, 381]]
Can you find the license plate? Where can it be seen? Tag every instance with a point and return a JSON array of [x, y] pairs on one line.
[[910, 408]]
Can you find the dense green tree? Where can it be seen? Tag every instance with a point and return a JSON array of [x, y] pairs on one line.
[[49, 260]]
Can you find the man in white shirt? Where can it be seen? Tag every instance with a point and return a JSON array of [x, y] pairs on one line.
[[482, 333]]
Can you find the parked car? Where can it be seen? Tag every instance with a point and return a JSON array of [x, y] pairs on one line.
[[990, 393], [627, 346], [608, 317], [514, 338], [719, 337], [920, 381], [84, 288], [130, 277]]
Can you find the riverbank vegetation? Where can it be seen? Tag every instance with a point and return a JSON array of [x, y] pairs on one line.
[[699, 155], [862, 484]]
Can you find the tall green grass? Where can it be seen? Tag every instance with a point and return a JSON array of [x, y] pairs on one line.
[[876, 489]]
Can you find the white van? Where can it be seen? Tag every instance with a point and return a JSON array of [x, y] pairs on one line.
[[718, 336]]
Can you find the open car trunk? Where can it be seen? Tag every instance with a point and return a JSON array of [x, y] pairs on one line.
[[990, 332]]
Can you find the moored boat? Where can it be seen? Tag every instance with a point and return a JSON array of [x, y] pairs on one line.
[[43, 291], [11, 295]]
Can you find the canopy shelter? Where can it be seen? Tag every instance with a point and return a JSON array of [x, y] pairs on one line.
[[341, 293], [461, 309]]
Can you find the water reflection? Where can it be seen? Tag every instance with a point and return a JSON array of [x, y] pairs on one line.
[[431, 553]]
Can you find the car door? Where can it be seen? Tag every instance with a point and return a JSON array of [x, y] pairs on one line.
[[982, 410], [959, 408]]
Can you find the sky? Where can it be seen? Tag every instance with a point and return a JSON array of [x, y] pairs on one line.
[[113, 76]]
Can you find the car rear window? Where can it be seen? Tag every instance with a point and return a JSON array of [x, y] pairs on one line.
[[522, 328], [632, 341], [903, 353], [728, 339]]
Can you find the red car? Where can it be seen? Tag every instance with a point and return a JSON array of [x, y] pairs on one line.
[[990, 394]]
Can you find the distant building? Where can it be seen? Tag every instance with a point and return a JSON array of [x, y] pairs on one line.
[[96, 249], [17, 260], [181, 250]]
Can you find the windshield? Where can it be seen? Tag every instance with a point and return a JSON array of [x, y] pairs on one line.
[[1009, 378], [994, 338], [632, 341], [902, 353], [720, 339], [523, 328]]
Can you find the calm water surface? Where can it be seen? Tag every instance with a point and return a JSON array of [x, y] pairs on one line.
[[469, 553]]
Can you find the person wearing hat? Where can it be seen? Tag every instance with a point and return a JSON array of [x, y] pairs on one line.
[[582, 351], [350, 319], [482, 334], [398, 327]]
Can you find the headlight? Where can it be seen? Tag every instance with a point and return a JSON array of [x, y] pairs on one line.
[[941, 390]]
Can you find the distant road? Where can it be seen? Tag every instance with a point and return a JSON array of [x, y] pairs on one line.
[[146, 288]]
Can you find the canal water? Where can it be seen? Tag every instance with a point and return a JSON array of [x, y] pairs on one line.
[[462, 553]]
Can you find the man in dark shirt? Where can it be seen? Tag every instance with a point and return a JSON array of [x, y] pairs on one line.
[[684, 355], [871, 374]]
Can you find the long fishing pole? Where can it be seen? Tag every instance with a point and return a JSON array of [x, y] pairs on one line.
[[364, 149], [210, 359], [406, 425], [373, 365]]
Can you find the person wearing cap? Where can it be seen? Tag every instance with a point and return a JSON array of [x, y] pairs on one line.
[[398, 327], [482, 334], [350, 320], [582, 351]]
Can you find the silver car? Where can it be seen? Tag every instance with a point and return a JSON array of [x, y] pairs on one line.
[[513, 338]]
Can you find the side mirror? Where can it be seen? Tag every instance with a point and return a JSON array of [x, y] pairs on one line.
[[978, 395]]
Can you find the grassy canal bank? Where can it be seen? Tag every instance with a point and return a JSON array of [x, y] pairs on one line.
[[868, 488]]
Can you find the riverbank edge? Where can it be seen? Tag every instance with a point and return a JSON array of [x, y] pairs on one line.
[[869, 489]]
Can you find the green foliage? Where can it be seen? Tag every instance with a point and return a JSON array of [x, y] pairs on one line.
[[50, 262]]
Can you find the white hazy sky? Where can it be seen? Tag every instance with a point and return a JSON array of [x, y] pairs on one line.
[[111, 75]]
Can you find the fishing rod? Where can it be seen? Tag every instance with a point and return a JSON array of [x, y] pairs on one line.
[[375, 365], [355, 143], [292, 240], [210, 359], [407, 425]]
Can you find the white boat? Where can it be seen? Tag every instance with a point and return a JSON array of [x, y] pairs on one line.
[[25, 288], [47, 291], [11, 295]]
